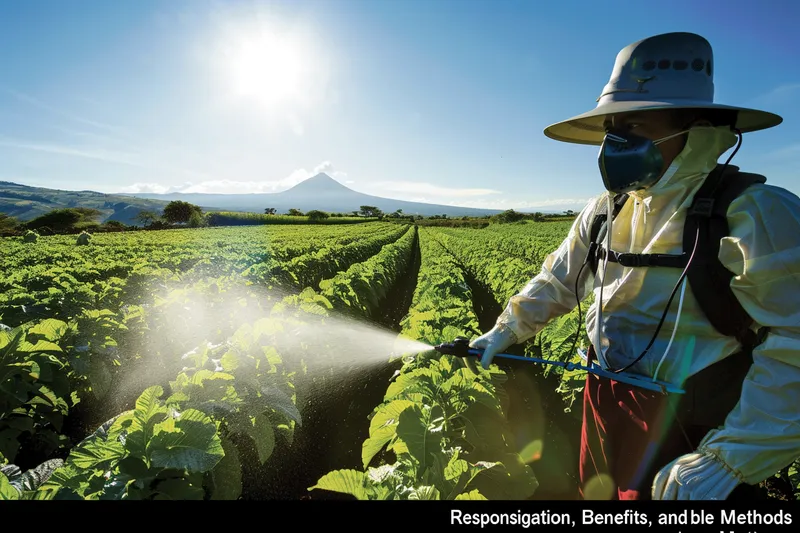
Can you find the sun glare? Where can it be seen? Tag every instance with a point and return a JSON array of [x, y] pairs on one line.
[[271, 68]]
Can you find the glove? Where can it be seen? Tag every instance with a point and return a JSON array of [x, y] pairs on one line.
[[695, 476], [493, 342]]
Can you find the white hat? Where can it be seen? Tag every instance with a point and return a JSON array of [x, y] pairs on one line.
[[668, 71]]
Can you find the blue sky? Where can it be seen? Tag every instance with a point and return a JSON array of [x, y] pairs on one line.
[[441, 101]]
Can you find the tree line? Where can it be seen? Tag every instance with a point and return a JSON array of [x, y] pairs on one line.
[[184, 214]]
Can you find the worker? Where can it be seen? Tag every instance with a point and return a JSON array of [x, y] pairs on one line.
[[736, 423]]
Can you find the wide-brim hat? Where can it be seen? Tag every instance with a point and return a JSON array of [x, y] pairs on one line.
[[668, 71]]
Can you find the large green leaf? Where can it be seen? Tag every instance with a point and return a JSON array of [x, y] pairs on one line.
[[227, 475], [382, 428], [263, 435], [479, 393], [202, 376], [189, 442], [230, 361], [96, 453], [146, 415], [134, 467], [50, 328], [422, 380], [344, 481], [461, 474], [416, 439], [425, 492], [208, 386], [7, 490], [455, 468], [510, 479], [42, 346], [68, 480], [459, 380], [282, 403], [486, 430], [178, 489], [9, 340], [471, 495]]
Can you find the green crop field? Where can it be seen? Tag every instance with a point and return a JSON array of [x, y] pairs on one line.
[[225, 363]]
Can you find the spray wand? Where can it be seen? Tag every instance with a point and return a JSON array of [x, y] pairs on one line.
[[460, 348]]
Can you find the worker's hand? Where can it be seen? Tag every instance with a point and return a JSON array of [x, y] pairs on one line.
[[493, 342], [695, 476]]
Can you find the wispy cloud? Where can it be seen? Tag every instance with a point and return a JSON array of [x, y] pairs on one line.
[[511, 203], [328, 168], [784, 89], [211, 187], [81, 134], [131, 159], [525, 205], [469, 197], [147, 188], [139, 154], [776, 95], [786, 151], [97, 154], [429, 189], [22, 97]]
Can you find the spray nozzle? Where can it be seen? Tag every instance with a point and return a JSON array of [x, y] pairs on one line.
[[459, 348]]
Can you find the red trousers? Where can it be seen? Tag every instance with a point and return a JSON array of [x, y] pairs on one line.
[[629, 434]]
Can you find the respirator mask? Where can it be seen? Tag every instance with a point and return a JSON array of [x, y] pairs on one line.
[[630, 162]]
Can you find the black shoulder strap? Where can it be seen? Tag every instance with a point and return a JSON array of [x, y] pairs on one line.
[[600, 225], [707, 220]]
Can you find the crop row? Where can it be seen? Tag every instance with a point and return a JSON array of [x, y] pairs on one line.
[[440, 432], [505, 275], [530, 242], [187, 444], [234, 381], [109, 273], [115, 353]]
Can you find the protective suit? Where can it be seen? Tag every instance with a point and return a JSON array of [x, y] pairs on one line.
[[762, 433]]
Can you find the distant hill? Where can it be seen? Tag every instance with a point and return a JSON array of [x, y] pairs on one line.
[[26, 203], [320, 192]]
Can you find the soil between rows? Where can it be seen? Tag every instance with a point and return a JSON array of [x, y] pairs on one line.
[[335, 420]]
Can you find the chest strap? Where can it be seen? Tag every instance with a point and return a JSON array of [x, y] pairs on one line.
[[628, 259]]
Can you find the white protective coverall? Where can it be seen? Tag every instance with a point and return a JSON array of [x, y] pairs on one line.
[[762, 434]]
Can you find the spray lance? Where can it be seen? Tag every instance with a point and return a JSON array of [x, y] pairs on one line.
[[460, 348]]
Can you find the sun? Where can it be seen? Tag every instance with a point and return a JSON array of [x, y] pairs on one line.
[[271, 68]]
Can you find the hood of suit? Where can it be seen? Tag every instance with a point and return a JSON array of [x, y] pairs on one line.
[[703, 148]]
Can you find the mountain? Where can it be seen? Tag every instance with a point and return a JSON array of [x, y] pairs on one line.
[[26, 203], [320, 192]]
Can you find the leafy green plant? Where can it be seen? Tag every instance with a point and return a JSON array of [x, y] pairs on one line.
[[244, 385], [446, 428], [150, 452], [362, 288], [34, 389]]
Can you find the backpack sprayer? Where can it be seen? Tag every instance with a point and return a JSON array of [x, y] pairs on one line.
[[460, 348]]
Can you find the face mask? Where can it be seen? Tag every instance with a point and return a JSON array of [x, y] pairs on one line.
[[630, 162]]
